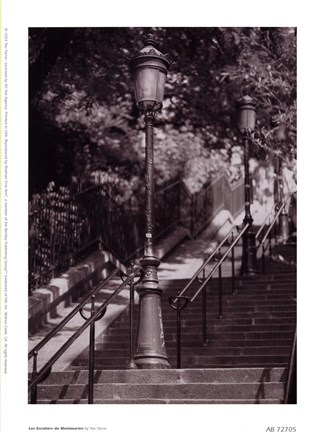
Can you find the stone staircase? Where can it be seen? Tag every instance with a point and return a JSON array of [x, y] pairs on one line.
[[206, 386], [244, 361]]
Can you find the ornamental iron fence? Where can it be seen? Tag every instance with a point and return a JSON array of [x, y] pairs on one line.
[[68, 223]]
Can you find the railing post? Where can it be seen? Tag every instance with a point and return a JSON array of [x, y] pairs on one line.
[[276, 230], [283, 225], [178, 330], [33, 393], [233, 276], [132, 364], [175, 303], [220, 288], [204, 312], [91, 352], [290, 390], [263, 259]]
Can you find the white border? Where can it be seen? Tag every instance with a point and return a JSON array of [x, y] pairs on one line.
[[306, 416]]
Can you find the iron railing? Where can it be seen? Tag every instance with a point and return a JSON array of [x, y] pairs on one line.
[[265, 234], [67, 224], [291, 382], [180, 301], [167, 208], [95, 315], [219, 194]]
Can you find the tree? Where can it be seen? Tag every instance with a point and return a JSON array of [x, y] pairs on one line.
[[81, 94]]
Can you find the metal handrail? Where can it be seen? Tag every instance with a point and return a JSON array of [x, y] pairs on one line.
[[180, 301], [170, 186], [37, 377], [265, 221], [290, 389], [268, 234], [203, 266], [272, 224], [280, 209], [59, 326], [217, 265]]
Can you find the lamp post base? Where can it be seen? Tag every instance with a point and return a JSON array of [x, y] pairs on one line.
[[249, 265], [151, 350], [152, 363]]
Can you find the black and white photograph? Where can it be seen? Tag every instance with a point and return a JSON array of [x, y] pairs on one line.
[[162, 215], [152, 275]]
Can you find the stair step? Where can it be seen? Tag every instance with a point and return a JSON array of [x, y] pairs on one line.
[[229, 309], [163, 401], [257, 343], [198, 360], [221, 327], [205, 366], [189, 351], [170, 322], [232, 317], [244, 360], [264, 390], [217, 336], [170, 376], [212, 288], [257, 279]]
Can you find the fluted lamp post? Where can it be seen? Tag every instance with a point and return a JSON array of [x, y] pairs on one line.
[[246, 125], [149, 70], [283, 231]]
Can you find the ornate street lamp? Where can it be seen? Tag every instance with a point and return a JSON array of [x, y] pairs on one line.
[[283, 232], [246, 125], [149, 70]]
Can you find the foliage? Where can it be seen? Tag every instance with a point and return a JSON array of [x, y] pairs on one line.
[[87, 96]]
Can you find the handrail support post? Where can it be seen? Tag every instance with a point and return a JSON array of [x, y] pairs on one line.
[[91, 352], [233, 276], [178, 322], [131, 364], [33, 393], [220, 316], [204, 294]]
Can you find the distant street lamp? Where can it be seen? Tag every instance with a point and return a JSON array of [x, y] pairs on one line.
[[283, 232], [149, 70], [246, 125]]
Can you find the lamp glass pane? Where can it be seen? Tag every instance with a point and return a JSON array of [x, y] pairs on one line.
[[247, 119], [161, 86], [146, 84]]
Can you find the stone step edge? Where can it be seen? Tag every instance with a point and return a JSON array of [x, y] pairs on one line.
[[162, 401], [171, 375]]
